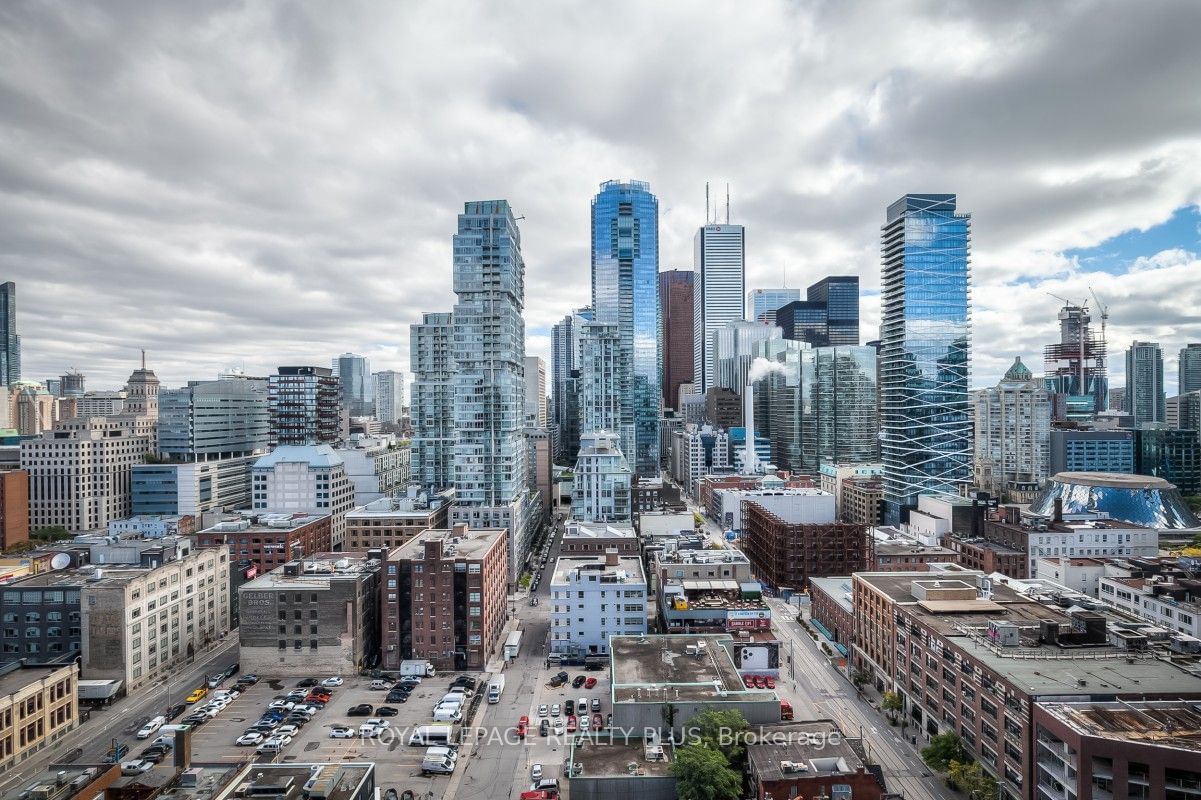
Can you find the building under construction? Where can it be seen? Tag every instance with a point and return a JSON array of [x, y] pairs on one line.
[[785, 555], [1076, 372]]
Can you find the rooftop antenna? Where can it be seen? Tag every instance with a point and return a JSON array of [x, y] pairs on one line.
[[143, 358], [727, 204], [706, 202]]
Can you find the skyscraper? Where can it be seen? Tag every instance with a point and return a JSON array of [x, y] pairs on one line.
[[214, 419], [840, 293], [10, 342], [305, 407], [764, 302], [735, 346], [604, 379], [1013, 435], [625, 293], [1076, 367], [1144, 382], [535, 392], [718, 292], [675, 322], [565, 408], [432, 413], [601, 489], [489, 387], [925, 332], [354, 377], [389, 390], [1189, 377]]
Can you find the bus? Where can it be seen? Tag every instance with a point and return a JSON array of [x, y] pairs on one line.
[[426, 735]]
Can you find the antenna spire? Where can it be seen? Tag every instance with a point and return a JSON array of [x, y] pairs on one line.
[[706, 202], [727, 204], [143, 358]]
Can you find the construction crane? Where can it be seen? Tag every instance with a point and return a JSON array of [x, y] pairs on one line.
[[1104, 309]]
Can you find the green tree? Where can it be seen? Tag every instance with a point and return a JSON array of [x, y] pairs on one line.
[[51, 534], [859, 677], [943, 749], [724, 731], [892, 703], [972, 778], [704, 774]]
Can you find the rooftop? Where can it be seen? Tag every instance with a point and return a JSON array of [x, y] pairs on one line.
[[17, 679], [838, 588], [727, 555], [1171, 723], [332, 781], [628, 569], [1114, 480], [74, 778], [318, 455], [250, 522], [598, 530], [804, 750], [678, 667], [459, 543], [608, 756], [327, 566], [654, 524], [912, 548], [419, 507]]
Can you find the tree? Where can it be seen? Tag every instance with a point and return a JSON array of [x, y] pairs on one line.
[[972, 778], [51, 534], [704, 774], [943, 749], [860, 676], [891, 703], [724, 731]]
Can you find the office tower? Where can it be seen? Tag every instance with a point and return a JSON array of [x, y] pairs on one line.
[[1075, 366], [71, 384], [625, 293], [925, 414], [432, 363], [603, 383], [735, 346], [1184, 411], [840, 294], [535, 392], [565, 377], [389, 389], [805, 321], [489, 388], [1173, 454], [10, 342], [718, 292], [1144, 382], [763, 303], [601, 488], [819, 406], [305, 406], [675, 332], [1013, 435], [1092, 451], [214, 419], [1117, 399], [354, 381], [1189, 376]]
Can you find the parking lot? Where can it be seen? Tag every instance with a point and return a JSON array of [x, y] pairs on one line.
[[397, 764]]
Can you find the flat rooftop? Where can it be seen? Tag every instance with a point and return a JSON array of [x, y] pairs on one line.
[[838, 588], [651, 668], [605, 756], [912, 548], [627, 570], [598, 530], [1170, 724], [651, 524], [1113, 480], [727, 555], [264, 522], [343, 779], [473, 543], [820, 746], [400, 508], [18, 679], [329, 566]]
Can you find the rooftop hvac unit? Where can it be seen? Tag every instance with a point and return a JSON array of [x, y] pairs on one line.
[[792, 767]]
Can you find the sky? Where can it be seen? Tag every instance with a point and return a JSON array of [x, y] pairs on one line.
[[248, 184]]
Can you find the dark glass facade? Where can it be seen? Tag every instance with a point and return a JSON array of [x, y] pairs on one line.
[[840, 294], [675, 300], [10, 342]]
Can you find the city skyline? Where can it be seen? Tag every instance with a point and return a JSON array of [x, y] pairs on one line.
[[257, 270]]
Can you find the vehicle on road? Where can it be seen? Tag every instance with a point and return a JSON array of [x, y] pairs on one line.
[[495, 687], [174, 711], [147, 730], [361, 710], [249, 739], [536, 772], [332, 683], [197, 695], [341, 732]]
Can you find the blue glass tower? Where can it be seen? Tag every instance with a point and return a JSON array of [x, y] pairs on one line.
[[625, 293], [925, 334]]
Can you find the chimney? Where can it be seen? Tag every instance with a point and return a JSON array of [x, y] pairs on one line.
[[749, 464], [1058, 510], [612, 557]]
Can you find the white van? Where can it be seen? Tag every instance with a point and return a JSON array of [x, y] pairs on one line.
[[447, 715], [437, 766], [431, 735], [269, 747], [150, 727]]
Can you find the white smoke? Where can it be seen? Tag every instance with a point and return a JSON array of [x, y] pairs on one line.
[[761, 368]]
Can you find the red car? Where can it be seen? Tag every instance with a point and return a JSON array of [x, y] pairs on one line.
[[522, 725], [758, 681], [588, 684], [571, 724], [769, 681]]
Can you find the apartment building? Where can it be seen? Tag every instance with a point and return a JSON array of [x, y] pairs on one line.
[[14, 508], [709, 591], [306, 479], [38, 706], [595, 539], [390, 522], [267, 541], [786, 554], [445, 598], [594, 598]]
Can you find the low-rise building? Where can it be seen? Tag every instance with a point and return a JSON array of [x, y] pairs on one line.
[[390, 522], [42, 617], [810, 759], [1171, 601], [860, 501], [791, 505], [140, 625], [596, 538], [319, 615], [1105, 751], [38, 706], [445, 598], [594, 598], [153, 526], [976, 552], [269, 540], [600, 769], [831, 609], [1082, 535], [194, 487], [899, 555], [1078, 574], [708, 591], [832, 477]]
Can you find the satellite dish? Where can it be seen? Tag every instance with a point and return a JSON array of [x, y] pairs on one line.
[[60, 561]]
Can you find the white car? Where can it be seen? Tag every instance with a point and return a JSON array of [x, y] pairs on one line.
[[282, 705], [307, 710], [286, 730], [584, 721], [558, 727], [209, 711], [247, 739], [332, 683], [536, 772], [377, 722], [222, 702], [542, 710], [369, 731], [279, 738], [554, 710], [341, 732]]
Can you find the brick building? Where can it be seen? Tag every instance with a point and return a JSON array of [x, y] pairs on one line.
[[860, 500], [267, 541], [445, 598], [909, 556], [390, 522], [831, 607], [38, 706], [810, 759], [976, 552], [14, 508], [789, 554]]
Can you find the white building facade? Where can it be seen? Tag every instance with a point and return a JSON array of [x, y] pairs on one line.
[[718, 293], [1013, 434], [601, 488], [389, 387], [304, 479], [594, 598]]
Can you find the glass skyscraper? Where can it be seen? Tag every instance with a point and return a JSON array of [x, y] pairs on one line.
[[764, 302], [432, 364], [565, 383], [925, 334], [625, 293], [1144, 382], [840, 293], [1189, 377], [10, 342], [354, 375]]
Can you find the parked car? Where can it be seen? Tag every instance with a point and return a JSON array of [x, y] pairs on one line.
[[595, 704], [554, 710], [136, 767], [249, 679], [544, 728], [361, 710], [397, 697], [282, 705], [536, 772], [249, 739], [578, 681], [386, 711], [331, 683], [282, 738], [597, 722], [543, 710], [174, 711], [287, 730], [589, 682], [769, 682], [571, 724], [341, 732], [307, 682]]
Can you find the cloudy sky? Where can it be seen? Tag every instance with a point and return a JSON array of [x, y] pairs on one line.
[[257, 183]]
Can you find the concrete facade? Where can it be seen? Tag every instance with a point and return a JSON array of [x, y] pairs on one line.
[[38, 706], [594, 598]]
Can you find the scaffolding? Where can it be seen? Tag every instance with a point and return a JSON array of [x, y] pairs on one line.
[[1075, 367]]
